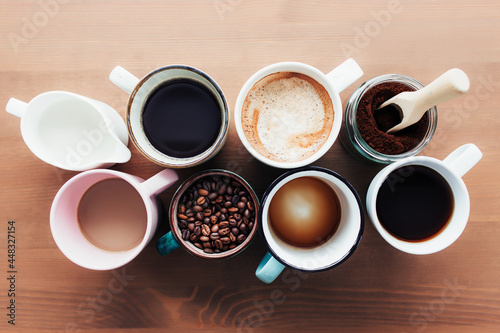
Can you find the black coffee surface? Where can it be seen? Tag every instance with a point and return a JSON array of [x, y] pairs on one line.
[[182, 118], [414, 203]]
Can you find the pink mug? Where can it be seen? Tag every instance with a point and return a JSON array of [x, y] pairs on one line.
[[66, 228]]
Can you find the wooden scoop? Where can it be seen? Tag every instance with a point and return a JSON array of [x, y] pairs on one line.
[[413, 104]]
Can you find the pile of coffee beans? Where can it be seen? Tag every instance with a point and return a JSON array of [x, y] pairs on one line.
[[216, 214]]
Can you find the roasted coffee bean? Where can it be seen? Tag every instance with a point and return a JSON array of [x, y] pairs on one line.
[[222, 189], [216, 214], [223, 224], [203, 191], [182, 224], [218, 244], [224, 232], [205, 230]]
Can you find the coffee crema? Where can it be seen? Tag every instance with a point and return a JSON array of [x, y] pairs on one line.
[[305, 212], [287, 116], [112, 215]]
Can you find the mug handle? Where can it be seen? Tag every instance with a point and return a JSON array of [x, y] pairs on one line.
[[345, 74], [167, 243], [269, 268], [462, 159], [123, 79], [16, 107], [159, 182]]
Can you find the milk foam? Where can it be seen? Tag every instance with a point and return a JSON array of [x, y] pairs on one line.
[[287, 117]]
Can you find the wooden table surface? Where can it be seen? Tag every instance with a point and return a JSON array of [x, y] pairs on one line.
[[73, 45]]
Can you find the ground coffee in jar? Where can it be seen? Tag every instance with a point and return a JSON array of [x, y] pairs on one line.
[[372, 123]]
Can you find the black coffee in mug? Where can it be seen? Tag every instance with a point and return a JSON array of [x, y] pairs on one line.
[[414, 203], [182, 118]]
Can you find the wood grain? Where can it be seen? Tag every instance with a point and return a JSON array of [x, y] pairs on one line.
[[74, 46]]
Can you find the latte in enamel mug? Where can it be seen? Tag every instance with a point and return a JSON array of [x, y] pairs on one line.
[[311, 219]]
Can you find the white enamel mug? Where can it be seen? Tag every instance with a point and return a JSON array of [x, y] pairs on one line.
[[141, 89], [71, 131], [334, 82], [330, 253], [452, 169], [64, 217]]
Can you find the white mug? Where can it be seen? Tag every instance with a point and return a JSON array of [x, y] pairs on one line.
[[64, 217], [334, 82], [71, 131], [330, 253], [452, 169]]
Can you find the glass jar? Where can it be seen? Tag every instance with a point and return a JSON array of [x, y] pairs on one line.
[[351, 137]]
